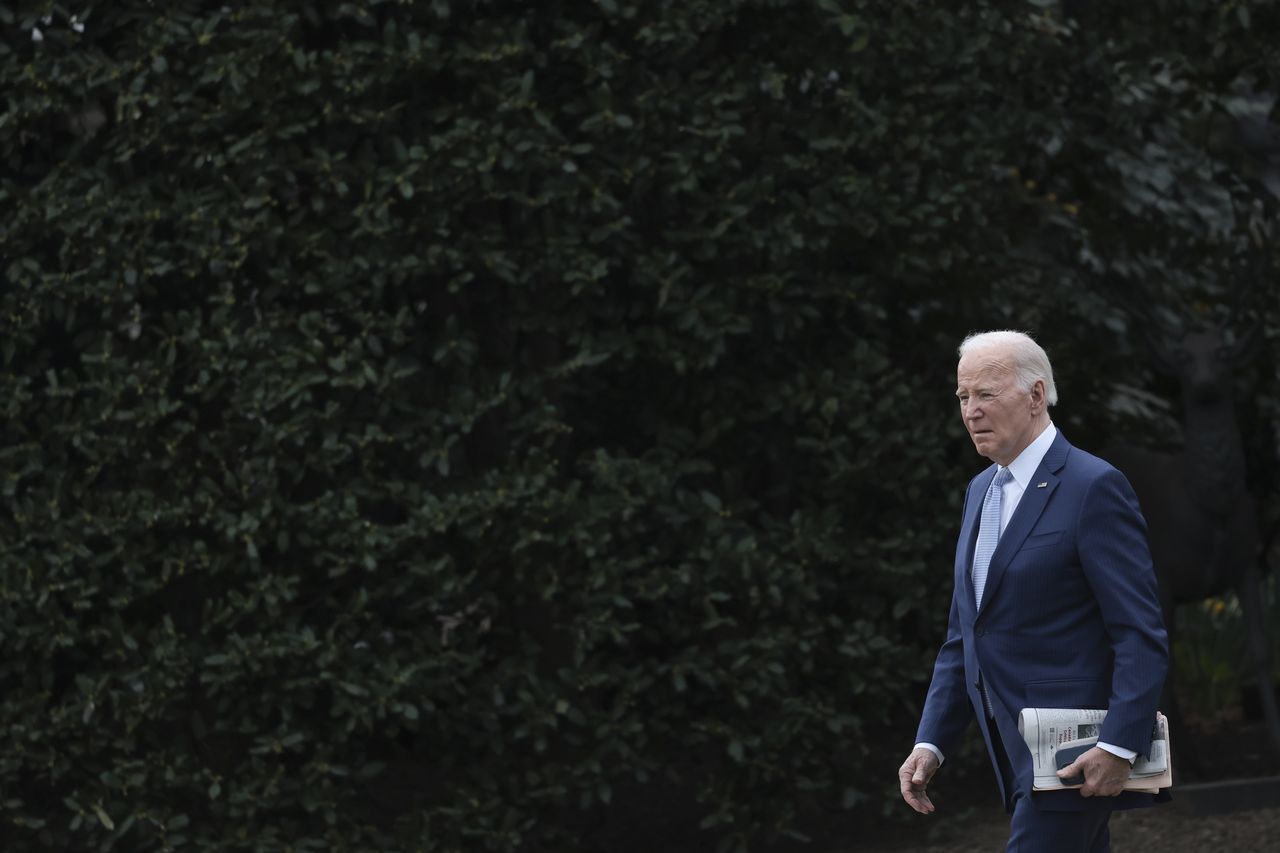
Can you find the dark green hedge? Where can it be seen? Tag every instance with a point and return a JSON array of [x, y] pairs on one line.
[[496, 426]]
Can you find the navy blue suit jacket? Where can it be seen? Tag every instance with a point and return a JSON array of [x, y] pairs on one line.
[[1070, 618]]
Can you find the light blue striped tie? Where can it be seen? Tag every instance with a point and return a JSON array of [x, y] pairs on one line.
[[988, 533], [988, 538]]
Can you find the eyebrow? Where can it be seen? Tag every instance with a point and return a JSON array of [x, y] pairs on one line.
[[978, 390]]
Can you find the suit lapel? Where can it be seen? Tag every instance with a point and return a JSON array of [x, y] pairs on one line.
[[1024, 519], [969, 526]]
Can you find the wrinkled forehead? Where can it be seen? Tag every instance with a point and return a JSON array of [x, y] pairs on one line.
[[990, 365]]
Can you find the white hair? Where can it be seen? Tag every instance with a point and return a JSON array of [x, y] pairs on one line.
[[1029, 359]]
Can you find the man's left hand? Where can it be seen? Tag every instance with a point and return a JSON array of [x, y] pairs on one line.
[[1104, 773]]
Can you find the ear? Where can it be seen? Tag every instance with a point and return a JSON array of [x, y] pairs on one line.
[[1037, 396]]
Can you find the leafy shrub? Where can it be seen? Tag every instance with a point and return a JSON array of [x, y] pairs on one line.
[[444, 426]]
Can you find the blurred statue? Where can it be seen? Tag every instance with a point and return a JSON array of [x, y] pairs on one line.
[[1202, 521]]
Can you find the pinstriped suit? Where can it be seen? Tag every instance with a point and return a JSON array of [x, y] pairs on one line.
[[1070, 617]]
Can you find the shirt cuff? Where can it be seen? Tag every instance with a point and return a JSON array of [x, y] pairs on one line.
[[932, 749], [1127, 754]]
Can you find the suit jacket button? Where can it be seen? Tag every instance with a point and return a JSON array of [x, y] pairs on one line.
[[981, 632]]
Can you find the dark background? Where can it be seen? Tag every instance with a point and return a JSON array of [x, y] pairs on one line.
[[511, 426]]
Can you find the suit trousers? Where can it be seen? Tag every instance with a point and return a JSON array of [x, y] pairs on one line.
[[1032, 830]]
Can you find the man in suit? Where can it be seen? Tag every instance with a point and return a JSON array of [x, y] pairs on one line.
[[1055, 605]]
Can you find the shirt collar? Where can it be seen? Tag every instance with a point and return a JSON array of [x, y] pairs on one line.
[[1029, 459]]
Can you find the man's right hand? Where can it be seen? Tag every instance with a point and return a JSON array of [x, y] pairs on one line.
[[914, 776]]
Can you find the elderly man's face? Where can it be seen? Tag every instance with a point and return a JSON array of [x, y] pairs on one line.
[[1001, 417]]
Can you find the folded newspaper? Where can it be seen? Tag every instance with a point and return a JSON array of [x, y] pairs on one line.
[[1056, 734]]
